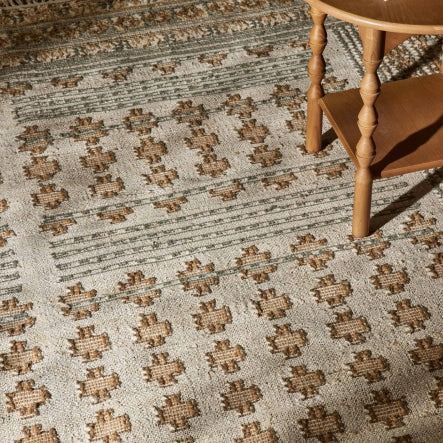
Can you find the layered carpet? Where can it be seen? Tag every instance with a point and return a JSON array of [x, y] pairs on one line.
[[173, 266]]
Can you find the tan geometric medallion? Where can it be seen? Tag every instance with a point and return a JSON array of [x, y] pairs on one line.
[[330, 291], [226, 357], [348, 327], [428, 353], [212, 165], [321, 425], [27, 399], [330, 171], [428, 240], [115, 215], [77, 295], [36, 434], [49, 197], [41, 168], [271, 305], [177, 412], [107, 427], [229, 192], [297, 122], [106, 186], [165, 68], [437, 394], [67, 82], [254, 264], [436, 268], [3, 205], [265, 157], [408, 315], [201, 141], [386, 410], [15, 89], [392, 281], [279, 182], [163, 370], [161, 176], [241, 107], [171, 204], [98, 385], [333, 84], [198, 277], [304, 382], [423, 230], [20, 359], [418, 221], [35, 140], [144, 286], [369, 367], [87, 130], [252, 433], [241, 398], [212, 319], [89, 346], [187, 112], [97, 160], [151, 332], [253, 132], [140, 122], [118, 74], [20, 317], [374, 246], [287, 97], [58, 227], [312, 252], [287, 341], [4, 235], [151, 150]]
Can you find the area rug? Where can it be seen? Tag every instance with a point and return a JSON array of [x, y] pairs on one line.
[[173, 266]]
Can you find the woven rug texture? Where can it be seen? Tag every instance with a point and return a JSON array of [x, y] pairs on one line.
[[174, 267]]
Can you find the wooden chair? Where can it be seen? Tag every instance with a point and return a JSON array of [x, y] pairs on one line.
[[404, 131]]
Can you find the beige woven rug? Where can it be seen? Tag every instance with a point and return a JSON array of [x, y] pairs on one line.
[[173, 266]]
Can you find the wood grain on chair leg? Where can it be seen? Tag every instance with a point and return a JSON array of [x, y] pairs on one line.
[[316, 69], [392, 39], [373, 50]]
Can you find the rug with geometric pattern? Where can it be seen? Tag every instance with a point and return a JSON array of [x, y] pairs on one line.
[[173, 266]]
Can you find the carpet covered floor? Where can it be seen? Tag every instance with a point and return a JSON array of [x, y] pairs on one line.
[[173, 266]]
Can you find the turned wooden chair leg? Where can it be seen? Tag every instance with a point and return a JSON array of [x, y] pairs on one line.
[[373, 50], [316, 69]]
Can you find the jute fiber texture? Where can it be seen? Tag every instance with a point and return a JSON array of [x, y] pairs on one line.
[[173, 266]]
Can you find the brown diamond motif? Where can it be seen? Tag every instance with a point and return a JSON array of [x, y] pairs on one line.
[[287, 341]]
